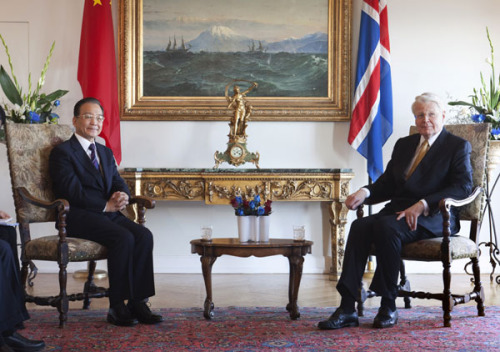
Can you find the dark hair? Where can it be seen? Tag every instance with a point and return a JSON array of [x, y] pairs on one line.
[[78, 105]]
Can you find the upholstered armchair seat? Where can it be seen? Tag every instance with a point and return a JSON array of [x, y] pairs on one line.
[[430, 249], [79, 250]]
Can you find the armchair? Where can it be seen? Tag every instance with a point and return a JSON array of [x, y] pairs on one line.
[[28, 150], [447, 248]]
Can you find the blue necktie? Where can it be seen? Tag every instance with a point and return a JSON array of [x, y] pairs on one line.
[[93, 156]]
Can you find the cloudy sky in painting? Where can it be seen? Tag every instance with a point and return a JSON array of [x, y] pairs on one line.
[[268, 20]]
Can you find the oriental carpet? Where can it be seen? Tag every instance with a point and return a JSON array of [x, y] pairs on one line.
[[268, 329]]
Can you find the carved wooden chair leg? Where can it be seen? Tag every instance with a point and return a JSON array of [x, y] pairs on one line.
[[404, 284], [32, 274], [361, 300], [63, 304], [448, 302], [89, 284], [478, 288], [24, 274]]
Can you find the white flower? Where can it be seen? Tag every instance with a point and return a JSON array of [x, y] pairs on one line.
[[19, 110]]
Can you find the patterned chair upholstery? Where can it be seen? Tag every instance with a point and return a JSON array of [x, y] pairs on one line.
[[448, 248], [28, 150]]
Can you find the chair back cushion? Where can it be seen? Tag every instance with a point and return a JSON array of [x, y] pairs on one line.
[[478, 136], [28, 150]]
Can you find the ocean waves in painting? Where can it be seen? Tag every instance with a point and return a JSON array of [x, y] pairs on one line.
[[188, 74]]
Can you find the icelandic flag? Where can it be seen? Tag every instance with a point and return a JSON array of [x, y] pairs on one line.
[[371, 122]]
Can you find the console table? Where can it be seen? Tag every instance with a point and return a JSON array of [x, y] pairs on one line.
[[218, 186], [293, 250]]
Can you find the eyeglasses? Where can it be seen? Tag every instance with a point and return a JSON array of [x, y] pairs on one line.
[[99, 118], [422, 115]]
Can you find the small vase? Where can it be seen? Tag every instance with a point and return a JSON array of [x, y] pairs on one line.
[[264, 222], [243, 228], [254, 228]]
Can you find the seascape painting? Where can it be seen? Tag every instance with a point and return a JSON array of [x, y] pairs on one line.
[[194, 48]]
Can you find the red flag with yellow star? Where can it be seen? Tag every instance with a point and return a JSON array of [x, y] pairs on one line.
[[97, 68]]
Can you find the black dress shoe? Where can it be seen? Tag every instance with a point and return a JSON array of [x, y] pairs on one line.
[[141, 311], [385, 318], [339, 319], [19, 343], [120, 315]]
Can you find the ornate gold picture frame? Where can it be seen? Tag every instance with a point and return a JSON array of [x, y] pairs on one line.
[[137, 60]]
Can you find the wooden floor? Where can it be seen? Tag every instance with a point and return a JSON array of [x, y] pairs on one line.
[[316, 290]]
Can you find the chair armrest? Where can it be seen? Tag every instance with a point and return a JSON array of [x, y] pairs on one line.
[[360, 212], [62, 205], [368, 201], [444, 207], [446, 203], [142, 203]]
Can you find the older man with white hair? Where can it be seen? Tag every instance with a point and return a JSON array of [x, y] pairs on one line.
[[424, 168]]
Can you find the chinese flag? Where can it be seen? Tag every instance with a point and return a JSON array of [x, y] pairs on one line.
[[97, 68]]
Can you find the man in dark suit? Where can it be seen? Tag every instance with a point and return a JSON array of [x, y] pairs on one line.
[[84, 172], [414, 182], [12, 309]]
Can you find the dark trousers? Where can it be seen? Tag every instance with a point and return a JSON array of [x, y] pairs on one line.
[[12, 309], [130, 252], [9, 234], [387, 235]]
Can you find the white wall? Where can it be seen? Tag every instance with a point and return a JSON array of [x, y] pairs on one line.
[[436, 46]]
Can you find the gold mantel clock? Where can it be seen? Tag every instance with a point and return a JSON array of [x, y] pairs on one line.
[[236, 153]]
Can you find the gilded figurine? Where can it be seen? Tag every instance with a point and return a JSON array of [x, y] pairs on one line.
[[236, 153], [242, 109]]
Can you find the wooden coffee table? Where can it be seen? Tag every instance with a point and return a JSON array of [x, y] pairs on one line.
[[293, 250]]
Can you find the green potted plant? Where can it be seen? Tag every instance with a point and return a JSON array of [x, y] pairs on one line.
[[31, 106]]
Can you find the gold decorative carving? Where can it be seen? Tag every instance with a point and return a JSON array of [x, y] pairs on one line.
[[227, 192], [344, 189], [338, 219], [237, 153], [181, 189], [301, 190]]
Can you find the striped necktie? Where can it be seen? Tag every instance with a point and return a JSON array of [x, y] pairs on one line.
[[421, 153], [93, 156]]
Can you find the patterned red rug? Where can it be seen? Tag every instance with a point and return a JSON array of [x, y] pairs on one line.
[[269, 329]]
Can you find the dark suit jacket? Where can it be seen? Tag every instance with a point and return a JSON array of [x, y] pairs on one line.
[[444, 172], [75, 178]]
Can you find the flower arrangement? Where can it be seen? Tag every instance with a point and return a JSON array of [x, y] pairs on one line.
[[244, 207], [485, 103], [32, 106]]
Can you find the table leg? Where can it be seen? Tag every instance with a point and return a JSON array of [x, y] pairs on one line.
[[206, 267], [296, 263], [338, 219]]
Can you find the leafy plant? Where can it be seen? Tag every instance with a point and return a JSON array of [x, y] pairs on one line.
[[32, 106], [485, 102]]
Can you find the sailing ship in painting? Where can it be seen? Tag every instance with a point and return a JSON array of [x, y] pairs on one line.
[[173, 47], [292, 67], [253, 49]]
